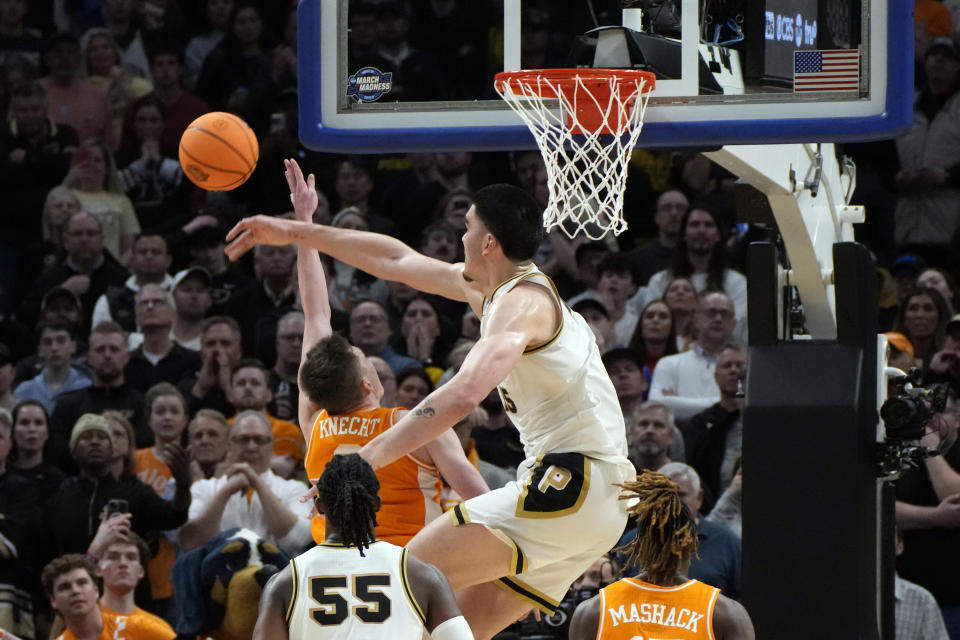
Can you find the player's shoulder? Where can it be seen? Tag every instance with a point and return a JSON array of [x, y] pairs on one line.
[[731, 620], [149, 625]]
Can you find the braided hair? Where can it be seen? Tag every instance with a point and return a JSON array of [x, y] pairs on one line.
[[348, 489], [666, 531]]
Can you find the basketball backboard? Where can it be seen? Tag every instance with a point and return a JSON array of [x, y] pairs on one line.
[[753, 72]]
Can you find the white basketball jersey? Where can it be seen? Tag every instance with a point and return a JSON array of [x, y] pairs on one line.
[[339, 595], [559, 394]]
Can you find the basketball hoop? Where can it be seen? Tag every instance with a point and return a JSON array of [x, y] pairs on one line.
[[586, 145]]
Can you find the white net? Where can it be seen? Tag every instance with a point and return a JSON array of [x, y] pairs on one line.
[[585, 143]]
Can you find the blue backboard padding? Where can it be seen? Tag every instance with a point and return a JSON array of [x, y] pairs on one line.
[[897, 117]]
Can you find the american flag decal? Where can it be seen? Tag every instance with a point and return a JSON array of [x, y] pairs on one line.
[[828, 70]]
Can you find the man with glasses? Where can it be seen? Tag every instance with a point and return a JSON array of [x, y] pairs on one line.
[[684, 381], [158, 358], [283, 376], [370, 332], [249, 494]]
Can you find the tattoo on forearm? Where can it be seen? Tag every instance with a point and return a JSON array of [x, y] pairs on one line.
[[424, 409]]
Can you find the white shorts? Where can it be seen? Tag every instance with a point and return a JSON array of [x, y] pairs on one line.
[[561, 514]]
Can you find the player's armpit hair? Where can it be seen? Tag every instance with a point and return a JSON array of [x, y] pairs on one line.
[[452, 629], [348, 490], [666, 530]]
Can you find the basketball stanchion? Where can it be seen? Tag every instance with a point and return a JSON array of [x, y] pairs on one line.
[[586, 123]]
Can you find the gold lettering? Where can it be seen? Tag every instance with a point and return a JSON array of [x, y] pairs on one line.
[[555, 477]]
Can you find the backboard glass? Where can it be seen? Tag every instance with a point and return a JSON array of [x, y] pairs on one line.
[[753, 72]]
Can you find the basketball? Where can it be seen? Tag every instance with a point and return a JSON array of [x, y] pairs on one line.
[[218, 151]]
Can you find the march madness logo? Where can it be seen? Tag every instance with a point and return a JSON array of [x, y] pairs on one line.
[[369, 84]]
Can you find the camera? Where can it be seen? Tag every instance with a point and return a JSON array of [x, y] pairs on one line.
[[906, 414]]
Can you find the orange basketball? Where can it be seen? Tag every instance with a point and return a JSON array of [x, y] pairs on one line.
[[218, 151]]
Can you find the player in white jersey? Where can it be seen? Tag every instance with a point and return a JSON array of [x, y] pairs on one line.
[[524, 544], [353, 586]]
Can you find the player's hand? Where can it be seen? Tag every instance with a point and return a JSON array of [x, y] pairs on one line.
[[310, 495], [237, 482], [303, 193], [250, 232]]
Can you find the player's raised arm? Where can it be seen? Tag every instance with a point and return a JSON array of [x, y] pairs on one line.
[[374, 253]]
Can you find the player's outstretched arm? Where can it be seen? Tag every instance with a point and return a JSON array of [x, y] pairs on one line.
[[586, 619], [271, 622], [731, 621], [379, 255], [447, 454], [432, 592]]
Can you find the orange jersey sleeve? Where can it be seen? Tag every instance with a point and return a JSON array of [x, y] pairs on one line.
[[409, 488], [632, 608], [157, 474]]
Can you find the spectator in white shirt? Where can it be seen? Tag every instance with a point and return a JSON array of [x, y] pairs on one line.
[[915, 611], [685, 381], [249, 494]]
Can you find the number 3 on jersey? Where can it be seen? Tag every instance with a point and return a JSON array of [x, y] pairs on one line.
[[508, 402], [334, 608]]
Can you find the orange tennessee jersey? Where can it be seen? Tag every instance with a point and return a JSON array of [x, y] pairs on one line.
[[138, 625], [631, 608], [409, 488]]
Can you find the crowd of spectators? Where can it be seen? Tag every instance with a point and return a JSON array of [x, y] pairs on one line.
[[137, 364]]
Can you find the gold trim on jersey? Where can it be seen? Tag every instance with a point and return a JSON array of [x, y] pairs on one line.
[[522, 512], [294, 595], [459, 515], [497, 288], [407, 591], [560, 304], [527, 593]]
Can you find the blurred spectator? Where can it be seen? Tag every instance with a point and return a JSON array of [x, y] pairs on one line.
[[703, 180], [370, 331], [944, 366], [34, 158], [441, 241], [277, 77], [230, 69], [349, 285], [655, 336], [929, 179], [412, 191], [684, 382], [107, 357], [58, 304], [588, 256], [93, 178], [915, 610], [274, 289], [123, 463], [656, 254], [616, 285], [122, 82], [682, 298], [59, 204], [905, 271], [249, 392], [413, 385], [123, 563], [208, 433], [944, 283], [700, 256], [249, 494], [15, 69], [729, 508], [424, 336], [597, 317], [923, 320], [650, 435], [625, 368], [7, 399], [417, 74], [149, 172], [19, 501], [388, 379], [714, 437], [192, 299], [180, 107], [497, 440], [158, 358], [902, 355], [120, 19], [206, 250], [282, 379], [15, 36], [363, 24], [56, 347], [353, 184], [493, 476], [72, 517], [220, 349], [932, 21], [31, 432], [149, 261], [71, 99], [86, 269], [456, 34], [217, 14], [928, 513]]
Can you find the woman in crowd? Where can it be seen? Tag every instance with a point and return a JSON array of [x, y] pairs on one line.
[[124, 462], [348, 285], [655, 336], [681, 296], [31, 432], [234, 64], [167, 416], [218, 19], [923, 319], [942, 281], [93, 180], [424, 337], [413, 385], [59, 205]]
